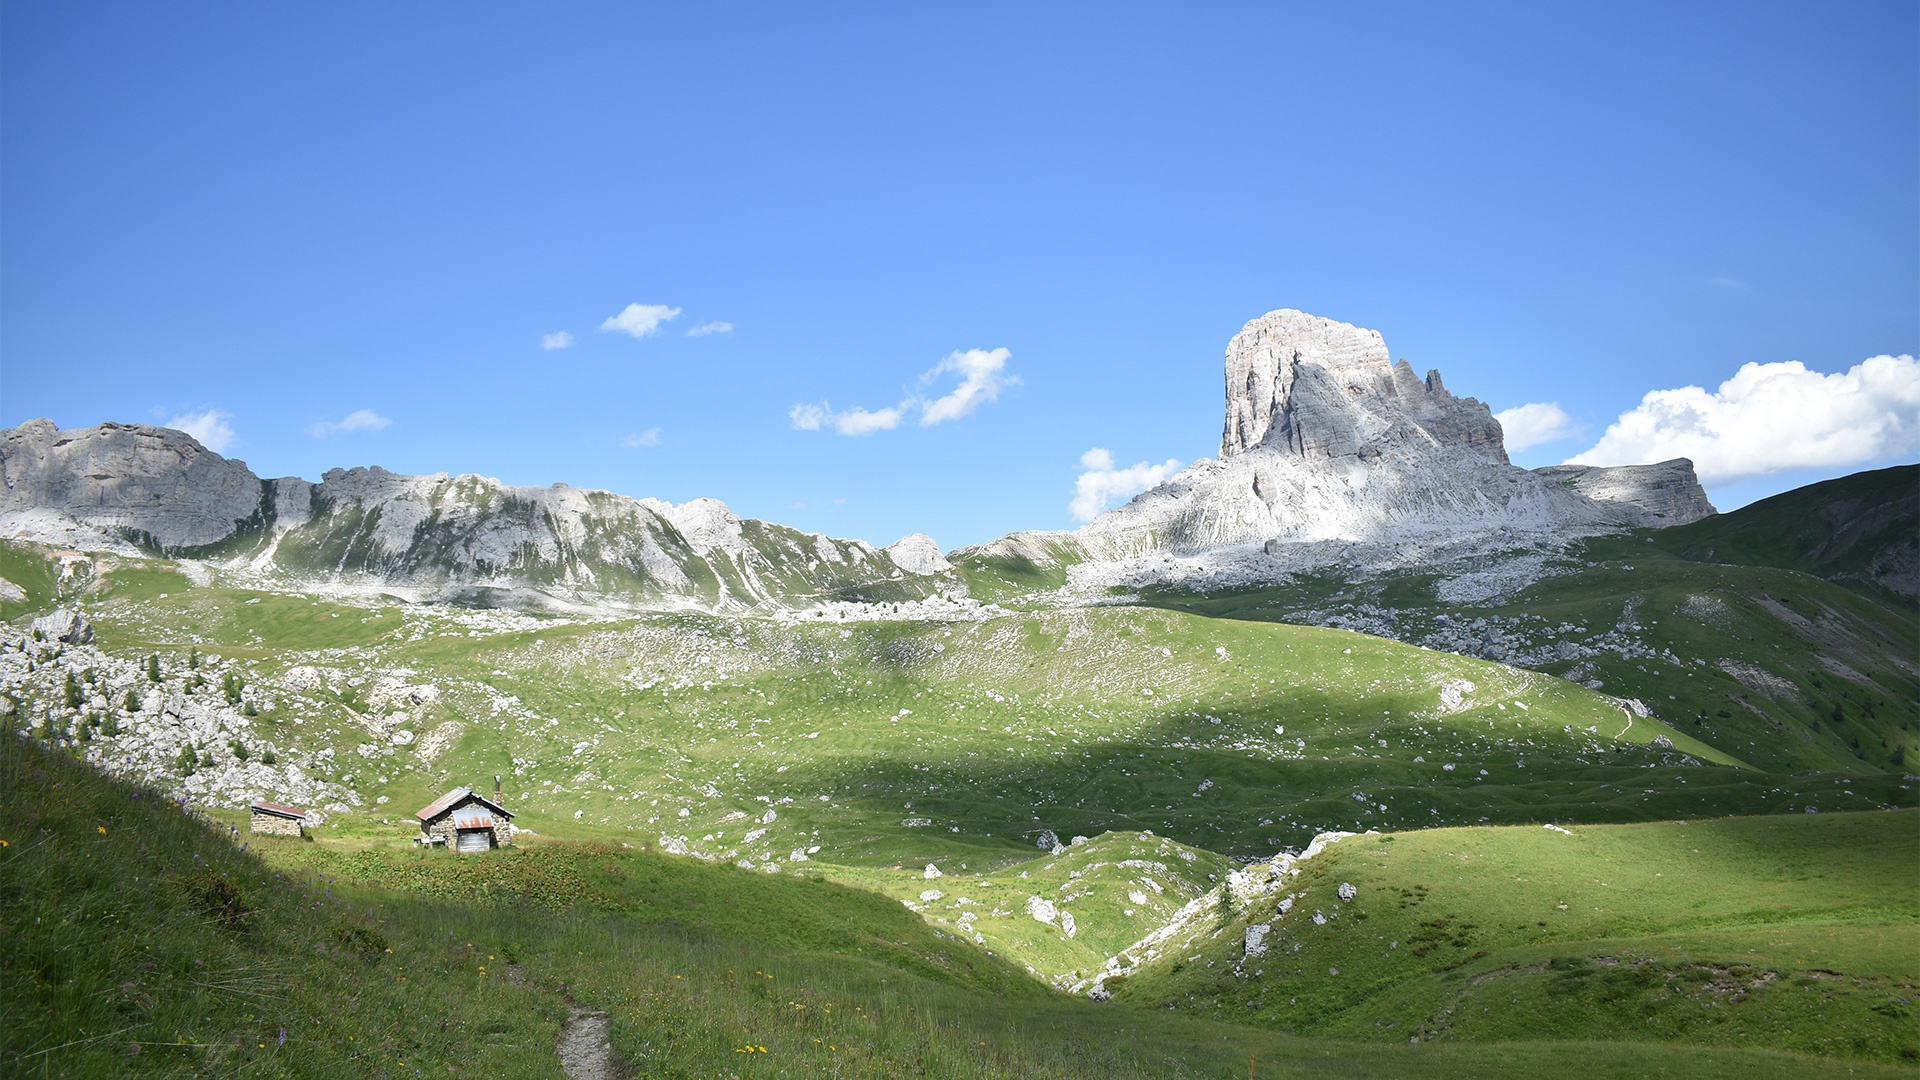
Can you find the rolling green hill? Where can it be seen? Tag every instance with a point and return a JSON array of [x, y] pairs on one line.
[[1792, 932], [870, 803], [1862, 529], [144, 941]]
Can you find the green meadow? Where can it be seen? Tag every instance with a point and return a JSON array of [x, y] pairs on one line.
[[798, 847], [146, 941]]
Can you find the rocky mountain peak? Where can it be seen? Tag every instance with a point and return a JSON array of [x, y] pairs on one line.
[[1319, 388]]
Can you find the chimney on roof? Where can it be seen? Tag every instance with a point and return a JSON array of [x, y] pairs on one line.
[[496, 790]]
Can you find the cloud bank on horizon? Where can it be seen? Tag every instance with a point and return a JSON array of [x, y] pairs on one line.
[[982, 376], [1771, 418]]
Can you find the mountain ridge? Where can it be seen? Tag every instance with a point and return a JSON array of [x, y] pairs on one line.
[[132, 488]]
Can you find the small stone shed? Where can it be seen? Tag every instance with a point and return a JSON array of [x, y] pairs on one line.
[[465, 820], [274, 819]]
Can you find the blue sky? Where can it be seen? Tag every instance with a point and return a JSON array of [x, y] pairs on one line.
[[344, 231]]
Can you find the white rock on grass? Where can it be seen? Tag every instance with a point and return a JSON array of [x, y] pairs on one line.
[[64, 626]]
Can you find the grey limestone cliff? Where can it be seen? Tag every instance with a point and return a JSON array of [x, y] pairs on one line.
[[1657, 495], [132, 488], [1331, 450]]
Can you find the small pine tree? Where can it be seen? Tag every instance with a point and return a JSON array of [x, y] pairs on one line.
[[75, 696], [232, 684], [186, 761], [109, 725], [250, 710], [239, 750], [267, 758], [132, 703], [153, 668], [193, 660], [207, 759]]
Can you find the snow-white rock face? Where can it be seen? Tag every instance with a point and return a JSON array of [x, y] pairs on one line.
[[1329, 390], [916, 553], [131, 488], [1327, 440], [1332, 453], [110, 486]]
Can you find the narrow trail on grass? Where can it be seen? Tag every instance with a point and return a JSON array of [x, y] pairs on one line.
[[585, 1052]]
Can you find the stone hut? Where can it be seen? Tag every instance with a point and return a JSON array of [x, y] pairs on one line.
[[276, 820], [465, 820]]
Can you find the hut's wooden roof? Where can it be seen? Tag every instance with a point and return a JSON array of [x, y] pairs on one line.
[[454, 798], [278, 810]]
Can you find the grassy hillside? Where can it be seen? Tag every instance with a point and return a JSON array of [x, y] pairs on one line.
[[34, 574], [866, 811], [1862, 529], [867, 751], [1792, 932], [1783, 670], [144, 941]]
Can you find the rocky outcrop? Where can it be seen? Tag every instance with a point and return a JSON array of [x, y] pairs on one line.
[[1329, 442], [130, 488], [1654, 496], [64, 627], [1328, 390], [1333, 453], [916, 553], [127, 483]]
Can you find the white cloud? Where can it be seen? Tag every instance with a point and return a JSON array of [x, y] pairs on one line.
[[854, 421], [1534, 423], [649, 437], [1772, 418], [981, 379], [559, 339], [357, 420], [980, 382], [706, 328], [209, 426], [1102, 484], [807, 417], [641, 320]]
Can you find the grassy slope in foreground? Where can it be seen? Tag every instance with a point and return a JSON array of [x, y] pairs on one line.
[[1797, 932], [158, 948]]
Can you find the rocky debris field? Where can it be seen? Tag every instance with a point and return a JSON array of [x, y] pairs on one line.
[[190, 725]]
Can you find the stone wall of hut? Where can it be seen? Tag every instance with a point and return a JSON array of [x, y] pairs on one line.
[[443, 828], [273, 824]]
